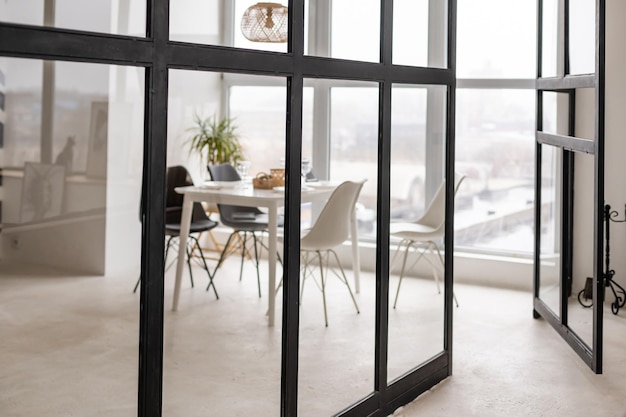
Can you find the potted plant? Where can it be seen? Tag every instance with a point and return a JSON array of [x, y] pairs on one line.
[[215, 140]]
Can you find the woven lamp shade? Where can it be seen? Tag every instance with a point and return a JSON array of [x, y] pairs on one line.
[[265, 22]]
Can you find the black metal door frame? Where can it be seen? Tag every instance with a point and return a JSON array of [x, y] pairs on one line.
[[569, 145], [157, 54]]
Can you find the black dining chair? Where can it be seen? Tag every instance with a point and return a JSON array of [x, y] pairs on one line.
[[248, 223], [178, 176]]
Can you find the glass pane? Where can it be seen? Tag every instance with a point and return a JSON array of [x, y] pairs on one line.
[[240, 23], [495, 136], [408, 153], [420, 33], [71, 237], [235, 338], [360, 39], [509, 54], [550, 238], [551, 52], [416, 318], [337, 338], [555, 113], [346, 29], [582, 36], [125, 17], [580, 317], [354, 147]]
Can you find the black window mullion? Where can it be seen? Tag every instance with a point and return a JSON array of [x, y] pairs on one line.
[[598, 295], [49, 43], [450, 186], [383, 206], [150, 392], [291, 268]]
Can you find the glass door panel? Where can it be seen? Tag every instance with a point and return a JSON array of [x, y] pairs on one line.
[[235, 339], [338, 293], [417, 268], [72, 151]]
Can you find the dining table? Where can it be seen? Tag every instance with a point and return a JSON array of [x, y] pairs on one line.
[[271, 200]]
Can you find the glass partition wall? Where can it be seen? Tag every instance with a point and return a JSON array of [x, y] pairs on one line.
[[329, 96]]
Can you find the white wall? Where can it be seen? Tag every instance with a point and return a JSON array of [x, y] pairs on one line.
[[615, 123]]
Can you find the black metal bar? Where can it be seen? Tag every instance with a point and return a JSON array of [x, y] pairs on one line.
[[538, 158], [69, 45], [353, 70], [567, 223], [368, 406], [572, 339], [450, 186], [291, 265], [569, 82], [383, 207], [598, 295], [412, 384], [225, 59], [569, 143], [567, 214], [150, 393], [570, 162]]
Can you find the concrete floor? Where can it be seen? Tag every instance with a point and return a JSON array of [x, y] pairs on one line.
[[69, 348]]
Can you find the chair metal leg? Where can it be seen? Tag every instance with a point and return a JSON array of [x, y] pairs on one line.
[[256, 261], [444, 267], [168, 244], [243, 253], [432, 245], [406, 254], [305, 272], [206, 267], [345, 279], [189, 264], [319, 256], [223, 256]]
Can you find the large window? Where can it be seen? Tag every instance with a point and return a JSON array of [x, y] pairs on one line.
[[494, 123]]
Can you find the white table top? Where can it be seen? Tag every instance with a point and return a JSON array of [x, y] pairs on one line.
[[249, 196]]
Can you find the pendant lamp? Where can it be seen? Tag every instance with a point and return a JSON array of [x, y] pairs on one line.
[[265, 22]]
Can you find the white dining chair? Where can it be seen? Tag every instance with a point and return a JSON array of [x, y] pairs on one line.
[[330, 230], [424, 235]]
